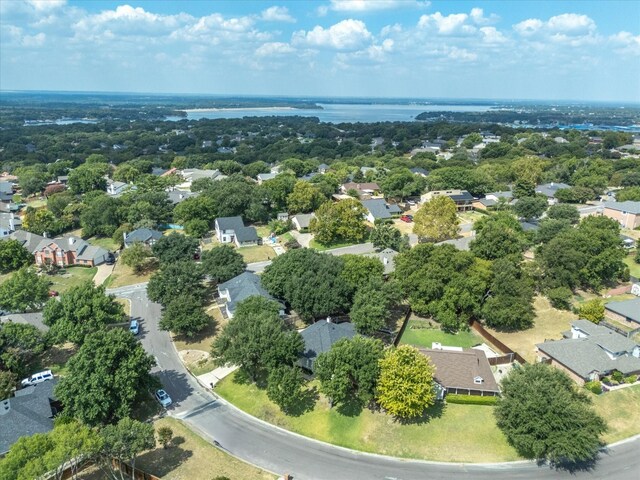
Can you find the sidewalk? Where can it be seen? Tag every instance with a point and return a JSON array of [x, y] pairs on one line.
[[210, 379]]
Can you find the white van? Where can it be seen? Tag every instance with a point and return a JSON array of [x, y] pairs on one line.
[[37, 378]]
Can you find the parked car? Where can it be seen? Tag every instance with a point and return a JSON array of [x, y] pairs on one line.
[[111, 259], [407, 218], [163, 397], [134, 327], [37, 378], [53, 293]]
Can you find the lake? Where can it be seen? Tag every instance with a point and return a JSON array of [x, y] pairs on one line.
[[337, 112]]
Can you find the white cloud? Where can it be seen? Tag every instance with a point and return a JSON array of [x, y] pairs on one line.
[[626, 43], [36, 40], [492, 36], [45, 5], [462, 54], [571, 24], [528, 27], [277, 14], [362, 6], [345, 35], [271, 49], [453, 24]]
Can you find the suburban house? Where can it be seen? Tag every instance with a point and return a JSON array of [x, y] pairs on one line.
[[462, 198], [301, 221], [461, 371], [493, 198], [379, 209], [142, 235], [69, 251], [6, 191], [362, 188], [462, 243], [263, 177], [177, 196], [33, 318], [9, 223], [387, 257], [239, 288], [232, 230], [320, 337], [323, 168], [29, 240], [627, 214], [589, 352], [30, 411], [190, 175], [626, 310], [549, 190], [63, 179], [116, 189], [419, 171]]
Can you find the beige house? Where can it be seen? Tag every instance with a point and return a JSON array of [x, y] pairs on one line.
[[627, 214]]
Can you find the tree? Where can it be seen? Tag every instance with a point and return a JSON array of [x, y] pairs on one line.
[[405, 386], [13, 256], [53, 189], [387, 236], [565, 212], [341, 221], [437, 219], [24, 290], [278, 190], [20, 344], [497, 236], [174, 248], [256, 339], [531, 207], [349, 371], [631, 194], [545, 416], [31, 180], [509, 305], [472, 140], [8, 381], [39, 221], [101, 216], [123, 442], [285, 387], [358, 270], [222, 263], [196, 228], [87, 178], [304, 198], [57, 202], [372, 305], [165, 434], [592, 310], [136, 256], [183, 315], [200, 208], [310, 282], [175, 279], [82, 310], [26, 458], [107, 378], [549, 228]]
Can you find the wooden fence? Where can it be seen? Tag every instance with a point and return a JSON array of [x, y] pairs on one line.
[[490, 338]]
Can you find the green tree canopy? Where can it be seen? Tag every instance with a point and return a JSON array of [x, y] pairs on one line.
[[562, 211], [13, 256], [20, 344], [304, 198], [341, 221], [592, 310], [544, 416], [81, 310], [387, 236], [88, 177], [124, 441], [136, 256], [175, 248], [285, 387], [497, 236], [183, 315], [531, 207], [358, 270], [24, 290], [222, 263], [101, 216], [107, 378], [175, 279], [437, 219], [405, 386]]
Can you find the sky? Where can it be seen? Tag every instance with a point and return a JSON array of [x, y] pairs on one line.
[[520, 49]]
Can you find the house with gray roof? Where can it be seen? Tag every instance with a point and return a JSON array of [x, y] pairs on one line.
[[387, 257], [115, 189], [263, 177], [6, 191], [178, 196], [301, 221], [461, 371], [589, 352], [549, 190], [146, 236], [419, 171], [323, 168], [232, 230], [462, 198], [34, 318], [239, 288], [379, 209], [28, 240], [69, 251], [9, 223], [625, 310], [30, 411], [320, 337], [627, 214]]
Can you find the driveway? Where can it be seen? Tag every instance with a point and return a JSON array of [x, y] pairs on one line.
[[103, 272], [279, 451], [304, 239]]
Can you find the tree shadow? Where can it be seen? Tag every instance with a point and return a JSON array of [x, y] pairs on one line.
[[352, 408], [573, 467], [176, 441], [161, 462], [434, 411], [305, 403]]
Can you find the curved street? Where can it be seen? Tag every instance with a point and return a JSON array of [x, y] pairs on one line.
[[279, 451]]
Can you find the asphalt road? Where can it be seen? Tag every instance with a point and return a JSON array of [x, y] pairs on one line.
[[281, 452]]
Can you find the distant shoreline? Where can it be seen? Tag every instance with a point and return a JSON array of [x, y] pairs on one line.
[[226, 109]]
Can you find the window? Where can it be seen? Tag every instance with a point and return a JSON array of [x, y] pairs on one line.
[[478, 380]]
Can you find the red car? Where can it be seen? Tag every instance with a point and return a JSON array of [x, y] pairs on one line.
[[53, 293], [407, 218]]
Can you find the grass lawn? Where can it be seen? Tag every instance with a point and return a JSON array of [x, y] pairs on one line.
[[123, 276], [634, 268], [285, 237], [456, 433], [621, 409], [257, 253], [202, 342], [549, 325], [263, 231], [404, 227], [470, 217], [190, 456], [56, 357], [72, 277], [420, 334], [320, 247], [126, 305], [105, 242]]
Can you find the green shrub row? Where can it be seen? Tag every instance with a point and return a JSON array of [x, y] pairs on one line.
[[594, 387], [470, 399]]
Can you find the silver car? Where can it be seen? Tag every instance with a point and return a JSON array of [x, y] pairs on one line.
[[163, 397]]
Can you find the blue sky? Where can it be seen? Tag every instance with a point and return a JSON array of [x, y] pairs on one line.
[[587, 50]]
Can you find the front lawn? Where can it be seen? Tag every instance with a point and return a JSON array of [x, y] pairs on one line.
[[621, 410], [257, 253], [634, 268], [190, 348], [420, 333], [71, 277], [122, 276], [452, 433], [321, 247], [105, 242], [549, 325]]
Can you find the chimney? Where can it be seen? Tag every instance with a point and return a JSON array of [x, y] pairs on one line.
[[385, 260], [72, 240], [45, 234], [329, 319]]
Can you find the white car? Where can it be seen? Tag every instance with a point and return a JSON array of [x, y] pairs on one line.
[[134, 327], [37, 378], [163, 397]]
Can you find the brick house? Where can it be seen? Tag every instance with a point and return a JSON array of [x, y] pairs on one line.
[[627, 214], [69, 251]]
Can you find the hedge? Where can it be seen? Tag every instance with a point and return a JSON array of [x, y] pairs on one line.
[[470, 399]]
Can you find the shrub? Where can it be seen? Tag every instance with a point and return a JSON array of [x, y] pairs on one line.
[[617, 376], [594, 387], [560, 298], [470, 399], [631, 379]]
